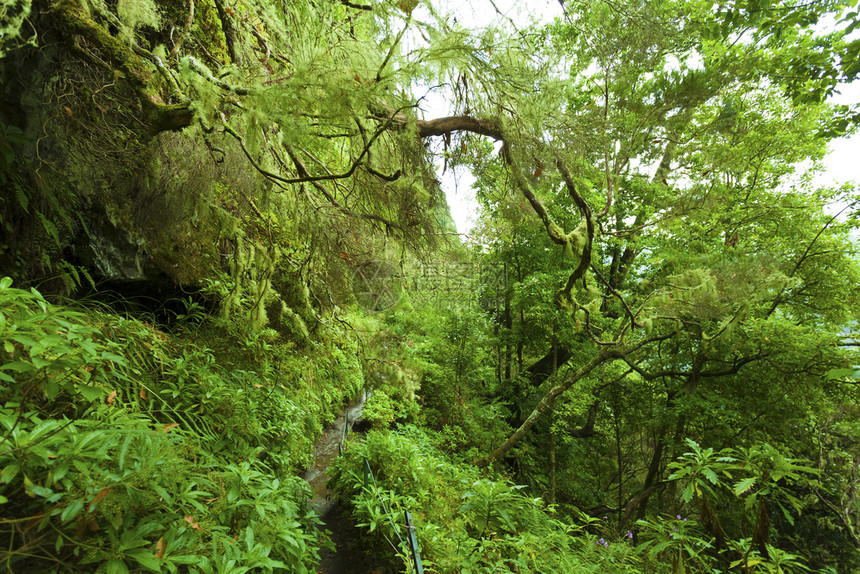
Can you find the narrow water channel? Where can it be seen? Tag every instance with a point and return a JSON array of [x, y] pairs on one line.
[[348, 557], [326, 450]]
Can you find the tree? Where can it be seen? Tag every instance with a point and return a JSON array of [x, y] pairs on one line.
[[722, 289]]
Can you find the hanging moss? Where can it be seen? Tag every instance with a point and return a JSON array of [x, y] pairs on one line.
[[296, 324]]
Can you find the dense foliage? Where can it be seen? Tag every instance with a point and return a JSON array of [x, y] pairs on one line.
[[126, 447], [215, 215]]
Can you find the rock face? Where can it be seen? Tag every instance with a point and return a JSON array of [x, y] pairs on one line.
[[89, 190], [113, 254], [94, 185], [88, 185]]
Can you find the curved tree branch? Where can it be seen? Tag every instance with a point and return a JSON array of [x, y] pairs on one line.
[[576, 243], [585, 211], [442, 126], [546, 402], [307, 178], [605, 355], [175, 50]]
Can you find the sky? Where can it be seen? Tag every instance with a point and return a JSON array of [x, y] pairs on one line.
[[841, 165]]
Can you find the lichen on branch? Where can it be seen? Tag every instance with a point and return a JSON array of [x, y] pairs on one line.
[[577, 244], [160, 115]]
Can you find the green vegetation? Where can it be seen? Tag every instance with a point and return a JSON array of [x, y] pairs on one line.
[[221, 220], [128, 448]]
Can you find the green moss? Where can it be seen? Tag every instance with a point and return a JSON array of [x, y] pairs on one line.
[[296, 324], [207, 30]]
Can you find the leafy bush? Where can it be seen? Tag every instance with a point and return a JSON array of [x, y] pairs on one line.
[[465, 523], [761, 477], [125, 450]]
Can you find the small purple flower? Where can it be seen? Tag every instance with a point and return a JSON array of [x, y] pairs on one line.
[[679, 517], [629, 534]]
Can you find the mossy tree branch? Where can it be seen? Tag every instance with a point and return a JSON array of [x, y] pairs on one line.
[[159, 115], [576, 243]]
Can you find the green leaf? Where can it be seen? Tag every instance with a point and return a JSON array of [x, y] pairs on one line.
[[162, 492], [40, 363], [688, 493], [72, 510], [710, 475], [91, 393], [51, 388], [843, 373], [145, 559], [113, 357], [9, 473], [743, 486], [19, 366], [116, 566], [38, 490]]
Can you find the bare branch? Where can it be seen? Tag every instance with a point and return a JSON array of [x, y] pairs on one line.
[[442, 126], [303, 171], [309, 178], [778, 299]]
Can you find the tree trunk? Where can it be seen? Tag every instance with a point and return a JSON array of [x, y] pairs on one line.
[[546, 403]]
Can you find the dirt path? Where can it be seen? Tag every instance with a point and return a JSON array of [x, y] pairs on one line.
[[326, 450], [348, 556]]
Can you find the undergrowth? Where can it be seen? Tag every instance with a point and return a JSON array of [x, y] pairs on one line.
[[466, 522], [127, 449]]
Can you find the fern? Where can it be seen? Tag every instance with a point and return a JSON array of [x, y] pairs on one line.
[[49, 228], [21, 196]]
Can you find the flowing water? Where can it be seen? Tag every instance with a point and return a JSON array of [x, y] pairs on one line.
[[326, 450], [348, 556]]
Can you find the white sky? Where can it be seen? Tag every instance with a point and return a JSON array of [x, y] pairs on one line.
[[841, 165]]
